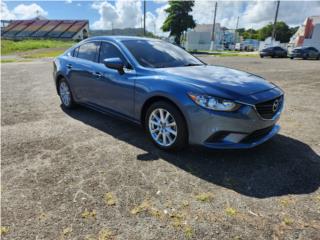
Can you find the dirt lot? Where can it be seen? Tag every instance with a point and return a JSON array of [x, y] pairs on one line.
[[83, 175]]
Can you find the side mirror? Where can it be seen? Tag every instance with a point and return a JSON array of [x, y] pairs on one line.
[[114, 63]]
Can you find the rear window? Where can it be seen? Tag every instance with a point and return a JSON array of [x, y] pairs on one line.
[[87, 51]]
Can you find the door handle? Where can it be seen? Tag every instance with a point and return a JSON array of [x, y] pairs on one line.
[[69, 66], [97, 74]]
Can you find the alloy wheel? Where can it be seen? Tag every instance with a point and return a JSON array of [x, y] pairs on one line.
[[163, 127], [65, 94]]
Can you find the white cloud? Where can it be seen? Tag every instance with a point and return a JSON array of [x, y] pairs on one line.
[[154, 21], [68, 1], [121, 14], [22, 11], [6, 14], [128, 14], [254, 13]]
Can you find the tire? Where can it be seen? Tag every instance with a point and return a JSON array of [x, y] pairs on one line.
[[261, 56], [291, 58], [318, 57], [305, 57], [65, 94], [162, 135]]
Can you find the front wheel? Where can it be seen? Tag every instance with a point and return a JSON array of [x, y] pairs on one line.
[[65, 94], [165, 126]]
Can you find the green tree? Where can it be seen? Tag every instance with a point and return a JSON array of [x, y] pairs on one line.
[[283, 32], [178, 19]]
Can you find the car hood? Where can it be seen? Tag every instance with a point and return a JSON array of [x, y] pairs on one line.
[[225, 81]]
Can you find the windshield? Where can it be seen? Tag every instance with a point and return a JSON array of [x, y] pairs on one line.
[[160, 54]]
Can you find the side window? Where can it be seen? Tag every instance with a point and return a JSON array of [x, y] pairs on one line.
[[108, 50], [88, 51], [75, 52]]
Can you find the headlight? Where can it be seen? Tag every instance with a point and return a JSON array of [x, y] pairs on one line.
[[214, 103]]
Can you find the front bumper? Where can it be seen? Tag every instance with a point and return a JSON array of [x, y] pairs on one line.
[[244, 128], [295, 55]]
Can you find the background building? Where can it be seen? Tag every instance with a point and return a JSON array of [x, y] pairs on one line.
[[308, 34], [44, 28], [199, 38]]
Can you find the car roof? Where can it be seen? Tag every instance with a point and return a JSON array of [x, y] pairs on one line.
[[120, 38]]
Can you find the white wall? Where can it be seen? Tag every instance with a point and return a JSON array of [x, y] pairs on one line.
[[315, 40]]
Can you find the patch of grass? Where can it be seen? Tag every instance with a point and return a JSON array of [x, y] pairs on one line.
[[177, 220], [287, 221], [15, 60], [188, 232], [45, 54], [286, 202], [67, 231], [146, 206], [231, 212], [8, 60], [4, 230], [88, 214], [237, 55], [110, 199], [105, 234], [204, 197], [10, 46]]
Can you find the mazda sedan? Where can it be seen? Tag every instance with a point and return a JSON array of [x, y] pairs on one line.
[[177, 98]]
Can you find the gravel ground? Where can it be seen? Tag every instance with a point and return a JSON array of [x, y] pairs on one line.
[[83, 175]]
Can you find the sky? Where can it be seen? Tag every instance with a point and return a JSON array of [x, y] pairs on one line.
[[105, 14]]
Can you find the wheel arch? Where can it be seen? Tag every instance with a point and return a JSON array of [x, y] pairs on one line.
[[59, 77], [158, 98]]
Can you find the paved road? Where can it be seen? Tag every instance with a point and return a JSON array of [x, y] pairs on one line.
[[82, 175]]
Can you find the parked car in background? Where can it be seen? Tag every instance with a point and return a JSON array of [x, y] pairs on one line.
[[238, 47], [305, 53], [273, 52], [177, 98]]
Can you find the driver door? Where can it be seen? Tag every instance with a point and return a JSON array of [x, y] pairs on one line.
[[113, 90]]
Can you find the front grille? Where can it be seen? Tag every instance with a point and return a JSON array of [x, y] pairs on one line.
[[256, 135], [268, 109]]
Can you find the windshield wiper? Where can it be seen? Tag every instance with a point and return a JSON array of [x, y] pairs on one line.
[[192, 64]]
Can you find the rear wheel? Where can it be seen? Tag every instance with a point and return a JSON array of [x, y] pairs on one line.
[[65, 94], [166, 126]]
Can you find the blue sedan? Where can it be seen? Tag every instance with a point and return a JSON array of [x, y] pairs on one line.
[[177, 98]]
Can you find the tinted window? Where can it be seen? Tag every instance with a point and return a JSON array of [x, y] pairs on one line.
[[75, 52], [108, 50], [88, 51], [159, 54]]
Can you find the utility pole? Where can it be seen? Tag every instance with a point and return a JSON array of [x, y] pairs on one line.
[[212, 45], [144, 18], [275, 22], [235, 32]]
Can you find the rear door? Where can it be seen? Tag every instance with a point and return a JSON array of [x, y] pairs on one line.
[[81, 70]]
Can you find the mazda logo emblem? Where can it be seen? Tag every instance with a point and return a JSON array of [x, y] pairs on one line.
[[275, 105]]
